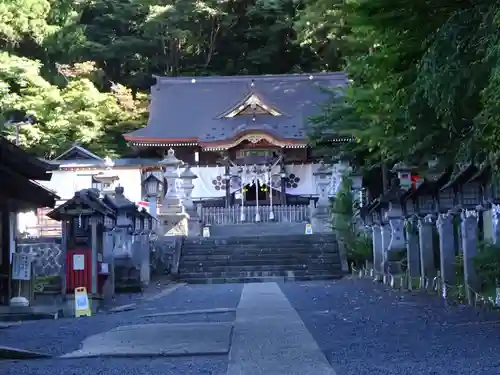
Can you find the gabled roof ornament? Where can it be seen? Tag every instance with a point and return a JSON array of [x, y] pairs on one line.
[[252, 105]]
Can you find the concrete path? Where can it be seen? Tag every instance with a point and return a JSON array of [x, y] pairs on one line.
[[270, 337], [343, 327]]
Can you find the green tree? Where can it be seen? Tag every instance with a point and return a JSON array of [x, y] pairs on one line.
[[62, 115], [423, 74]]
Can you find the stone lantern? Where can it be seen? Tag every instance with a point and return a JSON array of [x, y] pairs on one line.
[[173, 220], [320, 215], [172, 202], [107, 178], [152, 186], [323, 178], [404, 175], [187, 177]]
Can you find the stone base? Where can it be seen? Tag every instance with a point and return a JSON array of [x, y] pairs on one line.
[[173, 224], [393, 261], [321, 224]]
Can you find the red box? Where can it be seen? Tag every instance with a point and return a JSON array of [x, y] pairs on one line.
[[78, 277]]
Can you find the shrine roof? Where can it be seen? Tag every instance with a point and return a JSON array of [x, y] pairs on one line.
[[24, 163], [197, 110]]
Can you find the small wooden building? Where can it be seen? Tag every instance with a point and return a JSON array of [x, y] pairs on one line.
[[18, 192]]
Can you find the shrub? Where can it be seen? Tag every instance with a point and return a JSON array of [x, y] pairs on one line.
[[487, 265]]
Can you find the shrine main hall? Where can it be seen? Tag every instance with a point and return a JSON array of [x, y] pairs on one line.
[[244, 136]]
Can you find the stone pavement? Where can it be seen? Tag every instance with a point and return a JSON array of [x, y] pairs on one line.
[[343, 327]]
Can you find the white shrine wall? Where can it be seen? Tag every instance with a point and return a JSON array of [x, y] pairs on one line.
[[65, 182]]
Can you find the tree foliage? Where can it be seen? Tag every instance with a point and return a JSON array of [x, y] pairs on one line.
[[425, 78], [425, 73], [81, 70]]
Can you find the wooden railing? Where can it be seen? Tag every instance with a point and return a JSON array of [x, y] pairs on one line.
[[233, 215]]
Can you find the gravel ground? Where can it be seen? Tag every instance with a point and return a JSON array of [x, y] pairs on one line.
[[367, 328], [363, 328], [57, 337], [114, 366]]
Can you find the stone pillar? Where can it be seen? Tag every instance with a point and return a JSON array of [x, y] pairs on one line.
[[108, 257], [385, 235], [469, 247], [187, 177], [412, 248], [378, 252], [444, 225], [396, 248], [320, 218], [153, 205], [495, 224], [426, 244]]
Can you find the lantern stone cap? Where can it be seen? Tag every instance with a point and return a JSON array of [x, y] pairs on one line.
[[107, 174], [119, 201], [151, 177], [188, 173], [170, 160], [323, 169], [402, 167]]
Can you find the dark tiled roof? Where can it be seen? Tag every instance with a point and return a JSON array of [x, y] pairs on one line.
[[189, 108], [92, 163]]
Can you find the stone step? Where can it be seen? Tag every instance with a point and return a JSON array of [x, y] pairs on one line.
[[250, 229], [232, 280], [259, 246], [261, 258], [258, 239], [261, 250], [272, 273], [260, 268]]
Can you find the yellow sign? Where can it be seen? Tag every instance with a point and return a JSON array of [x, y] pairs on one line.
[[309, 229], [82, 305], [206, 232]]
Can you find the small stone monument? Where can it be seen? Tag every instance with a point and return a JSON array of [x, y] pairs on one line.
[[173, 219]]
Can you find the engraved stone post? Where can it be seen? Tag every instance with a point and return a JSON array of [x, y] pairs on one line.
[[446, 247], [426, 243], [396, 248], [495, 221], [321, 213], [385, 234], [469, 247], [412, 249], [378, 253]]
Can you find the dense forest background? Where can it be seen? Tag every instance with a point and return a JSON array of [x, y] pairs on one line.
[[425, 73], [81, 70]]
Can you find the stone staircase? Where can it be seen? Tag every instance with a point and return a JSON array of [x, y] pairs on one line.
[[262, 229], [270, 257]]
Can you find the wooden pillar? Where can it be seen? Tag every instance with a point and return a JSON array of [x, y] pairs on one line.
[[283, 179], [5, 268], [228, 186]]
